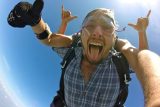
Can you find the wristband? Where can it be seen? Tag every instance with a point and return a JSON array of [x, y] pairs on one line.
[[44, 34]]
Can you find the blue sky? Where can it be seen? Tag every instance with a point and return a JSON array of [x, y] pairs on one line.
[[30, 71]]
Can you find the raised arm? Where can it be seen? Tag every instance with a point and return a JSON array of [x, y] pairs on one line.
[[128, 49], [50, 39], [141, 26], [25, 13], [66, 18], [146, 65]]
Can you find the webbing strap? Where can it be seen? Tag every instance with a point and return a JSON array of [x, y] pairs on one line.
[[66, 60], [122, 67], [68, 56]]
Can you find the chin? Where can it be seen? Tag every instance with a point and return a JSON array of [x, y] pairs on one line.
[[94, 62]]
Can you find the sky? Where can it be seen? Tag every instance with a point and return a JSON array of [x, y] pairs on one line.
[[30, 71]]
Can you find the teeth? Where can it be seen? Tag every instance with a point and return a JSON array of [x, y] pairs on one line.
[[95, 50], [96, 44]]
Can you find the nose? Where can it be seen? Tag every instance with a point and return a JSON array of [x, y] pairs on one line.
[[97, 32]]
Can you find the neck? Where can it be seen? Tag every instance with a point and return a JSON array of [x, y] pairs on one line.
[[88, 63], [87, 69]]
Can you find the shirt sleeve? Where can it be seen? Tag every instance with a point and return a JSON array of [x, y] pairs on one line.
[[60, 51]]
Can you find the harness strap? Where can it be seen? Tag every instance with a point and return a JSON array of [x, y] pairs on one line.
[[121, 66], [124, 75], [66, 60], [68, 57]]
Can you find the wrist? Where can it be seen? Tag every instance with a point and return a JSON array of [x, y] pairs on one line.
[[141, 32], [40, 27], [64, 22]]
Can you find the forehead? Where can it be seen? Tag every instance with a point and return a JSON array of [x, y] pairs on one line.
[[99, 19]]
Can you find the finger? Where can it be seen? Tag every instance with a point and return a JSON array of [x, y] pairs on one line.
[[72, 18], [132, 25], [149, 12], [67, 13], [37, 6], [62, 8], [139, 20], [62, 11]]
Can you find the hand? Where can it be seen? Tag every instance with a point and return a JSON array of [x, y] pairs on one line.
[[142, 23], [25, 13], [66, 16]]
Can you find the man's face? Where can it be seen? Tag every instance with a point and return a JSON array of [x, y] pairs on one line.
[[97, 38]]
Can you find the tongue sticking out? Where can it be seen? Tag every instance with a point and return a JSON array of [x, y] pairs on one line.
[[94, 52]]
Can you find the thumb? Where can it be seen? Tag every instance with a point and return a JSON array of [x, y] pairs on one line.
[[132, 25], [74, 17], [37, 6]]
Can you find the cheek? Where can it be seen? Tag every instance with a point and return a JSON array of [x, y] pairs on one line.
[[84, 39], [108, 42]]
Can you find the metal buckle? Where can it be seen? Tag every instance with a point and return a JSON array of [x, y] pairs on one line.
[[125, 79], [63, 66]]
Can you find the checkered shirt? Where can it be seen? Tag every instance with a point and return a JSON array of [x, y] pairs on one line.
[[102, 88]]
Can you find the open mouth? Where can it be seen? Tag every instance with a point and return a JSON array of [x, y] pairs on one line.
[[95, 47], [95, 50]]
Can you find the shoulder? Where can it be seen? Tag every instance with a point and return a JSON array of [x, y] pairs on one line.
[[129, 51], [124, 46]]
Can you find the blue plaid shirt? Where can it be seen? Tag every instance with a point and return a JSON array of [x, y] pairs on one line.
[[101, 90]]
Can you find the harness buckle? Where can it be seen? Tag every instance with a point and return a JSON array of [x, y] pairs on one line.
[[126, 81], [64, 64]]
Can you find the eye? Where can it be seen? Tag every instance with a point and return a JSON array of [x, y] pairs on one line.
[[107, 28], [90, 27]]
